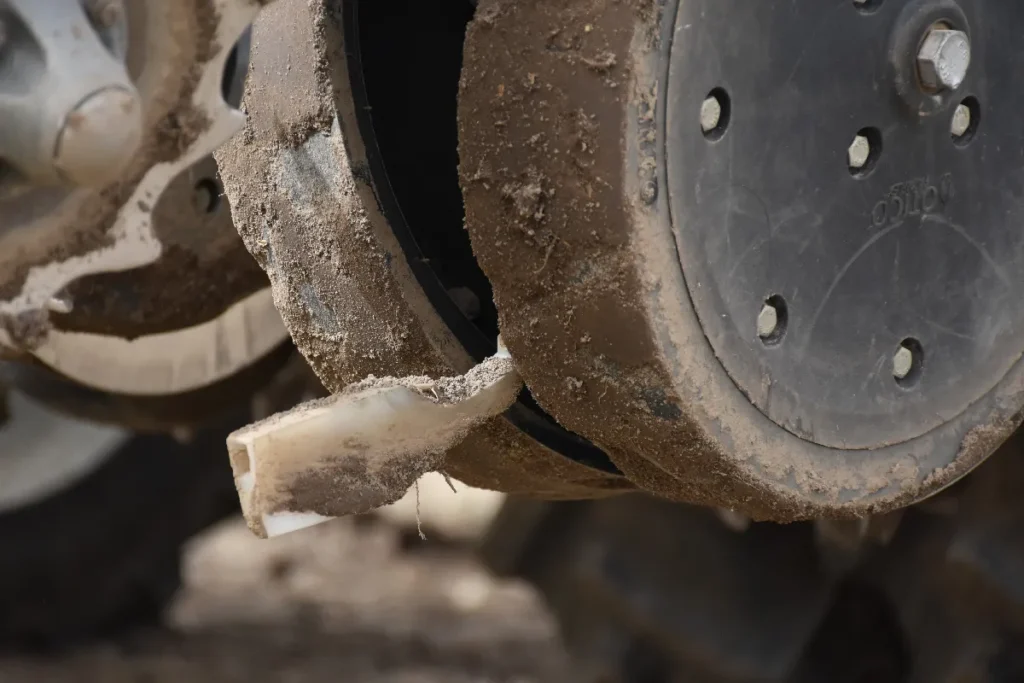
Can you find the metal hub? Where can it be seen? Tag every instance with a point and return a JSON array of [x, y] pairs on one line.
[[849, 224], [70, 111], [142, 98]]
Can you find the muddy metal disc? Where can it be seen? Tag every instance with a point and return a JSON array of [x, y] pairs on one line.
[[771, 249]]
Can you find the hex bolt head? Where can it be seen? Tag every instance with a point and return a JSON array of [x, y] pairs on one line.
[[710, 114], [961, 121], [944, 58], [767, 321], [859, 152], [902, 363]]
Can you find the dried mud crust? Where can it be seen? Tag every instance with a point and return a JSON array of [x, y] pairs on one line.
[[565, 203], [542, 173], [306, 208]]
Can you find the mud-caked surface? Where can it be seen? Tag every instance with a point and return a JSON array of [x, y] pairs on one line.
[[348, 601]]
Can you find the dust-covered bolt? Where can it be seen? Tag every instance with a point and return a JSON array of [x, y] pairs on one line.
[[902, 363], [943, 59], [961, 121], [767, 321], [859, 152], [710, 114]]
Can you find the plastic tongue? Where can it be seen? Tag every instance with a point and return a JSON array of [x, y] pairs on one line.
[[360, 449]]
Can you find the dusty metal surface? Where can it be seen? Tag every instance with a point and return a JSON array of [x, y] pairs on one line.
[[71, 112], [182, 50]]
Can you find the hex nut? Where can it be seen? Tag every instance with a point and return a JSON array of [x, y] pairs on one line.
[[710, 114], [961, 121], [902, 363], [944, 59], [767, 321], [105, 13], [859, 152]]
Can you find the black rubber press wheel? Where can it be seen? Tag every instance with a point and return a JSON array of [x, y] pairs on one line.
[[772, 248]]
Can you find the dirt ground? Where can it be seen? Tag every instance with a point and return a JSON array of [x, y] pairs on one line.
[[348, 601]]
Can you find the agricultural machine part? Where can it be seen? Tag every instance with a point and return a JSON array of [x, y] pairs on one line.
[[724, 305], [129, 295], [768, 249], [361, 449], [367, 282], [119, 268]]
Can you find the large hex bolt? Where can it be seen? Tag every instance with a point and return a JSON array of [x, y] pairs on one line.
[[944, 58]]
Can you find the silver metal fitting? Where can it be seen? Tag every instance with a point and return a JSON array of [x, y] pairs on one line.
[[767, 321], [944, 59], [902, 363], [72, 114], [710, 114], [961, 121], [99, 137], [859, 152]]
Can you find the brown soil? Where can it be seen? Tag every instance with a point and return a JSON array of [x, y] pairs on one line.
[[342, 602], [546, 92]]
